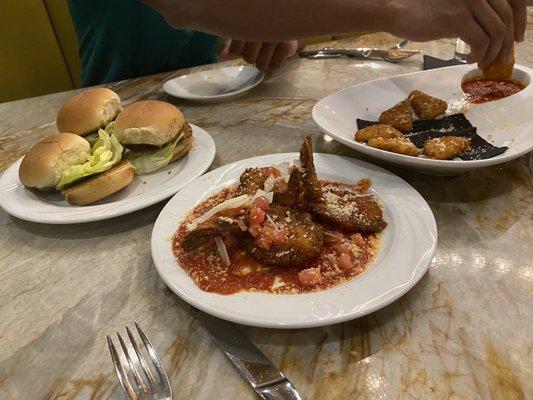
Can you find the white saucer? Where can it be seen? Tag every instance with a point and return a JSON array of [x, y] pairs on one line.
[[145, 190], [505, 122], [214, 85], [407, 247]]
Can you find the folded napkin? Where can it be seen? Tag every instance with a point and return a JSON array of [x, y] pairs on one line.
[[434, 62]]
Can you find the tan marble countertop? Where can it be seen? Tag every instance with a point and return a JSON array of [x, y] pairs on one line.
[[463, 332]]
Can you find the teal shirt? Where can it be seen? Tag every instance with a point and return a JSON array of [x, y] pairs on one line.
[[120, 39]]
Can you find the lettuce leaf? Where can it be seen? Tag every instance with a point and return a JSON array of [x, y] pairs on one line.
[[146, 162], [105, 154]]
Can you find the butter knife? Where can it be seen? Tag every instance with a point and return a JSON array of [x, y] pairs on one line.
[[368, 53], [268, 382]]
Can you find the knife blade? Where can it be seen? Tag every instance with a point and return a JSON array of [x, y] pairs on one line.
[[368, 53], [263, 376]]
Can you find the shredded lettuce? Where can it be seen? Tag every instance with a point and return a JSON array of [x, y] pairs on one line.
[[105, 154], [146, 162]]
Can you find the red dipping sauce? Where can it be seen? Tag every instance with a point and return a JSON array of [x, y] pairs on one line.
[[485, 90]]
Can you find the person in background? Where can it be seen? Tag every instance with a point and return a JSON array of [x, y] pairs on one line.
[[122, 38]]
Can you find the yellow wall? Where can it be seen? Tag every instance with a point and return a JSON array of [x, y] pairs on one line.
[[32, 59]]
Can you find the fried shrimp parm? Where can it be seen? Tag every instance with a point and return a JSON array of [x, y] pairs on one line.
[[375, 131], [446, 147], [302, 242], [345, 209], [396, 145], [253, 179], [400, 116], [426, 106]]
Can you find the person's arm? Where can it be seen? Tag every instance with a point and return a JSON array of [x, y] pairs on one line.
[[488, 26]]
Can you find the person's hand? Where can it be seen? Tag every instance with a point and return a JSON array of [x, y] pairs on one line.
[[490, 27], [265, 56]]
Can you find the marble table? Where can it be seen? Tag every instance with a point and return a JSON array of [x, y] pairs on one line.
[[463, 332]]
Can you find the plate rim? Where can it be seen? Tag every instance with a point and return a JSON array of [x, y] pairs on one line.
[[157, 238], [84, 217], [224, 96], [409, 161]]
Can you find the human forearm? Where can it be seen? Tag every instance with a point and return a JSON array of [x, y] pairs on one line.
[[274, 20]]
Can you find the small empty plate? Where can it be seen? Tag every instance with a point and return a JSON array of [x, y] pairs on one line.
[[214, 85]]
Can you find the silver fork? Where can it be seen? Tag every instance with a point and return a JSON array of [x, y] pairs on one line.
[[139, 388]]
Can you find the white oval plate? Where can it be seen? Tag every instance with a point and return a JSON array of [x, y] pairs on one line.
[[407, 247], [506, 122], [145, 190], [214, 85]]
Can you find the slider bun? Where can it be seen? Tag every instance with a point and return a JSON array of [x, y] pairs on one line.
[[101, 185], [88, 111], [149, 122], [184, 145], [42, 167]]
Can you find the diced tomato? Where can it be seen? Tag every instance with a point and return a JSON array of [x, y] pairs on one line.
[[261, 202], [280, 236], [257, 216], [345, 262], [264, 240], [310, 277], [342, 247], [255, 230], [274, 171]]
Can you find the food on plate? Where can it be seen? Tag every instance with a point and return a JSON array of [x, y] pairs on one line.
[[446, 147], [400, 116], [88, 111], [485, 90], [395, 145], [63, 160], [426, 106], [500, 69], [375, 131], [101, 185], [281, 230], [155, 134]]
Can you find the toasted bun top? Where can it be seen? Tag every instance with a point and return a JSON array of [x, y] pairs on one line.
[[88, 111], [150, 122], [43, 165]]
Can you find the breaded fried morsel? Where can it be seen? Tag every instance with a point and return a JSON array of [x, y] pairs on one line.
[[303, 243], [500, 70], [253, 179], [446, 147], [374, 131], [310, 182], [294, 188], [426, 106], [350, 211], [396, 145], [400, 116], [222, 224]]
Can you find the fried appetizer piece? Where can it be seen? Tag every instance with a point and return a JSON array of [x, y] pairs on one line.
[[396, 145], [500, 70], [310, 183], [426, 106], [345, 209], [446, 147], [222, 224], [375, 131], [350, 211], [290, 196], [400, 116], [300, 243], [253, 179]]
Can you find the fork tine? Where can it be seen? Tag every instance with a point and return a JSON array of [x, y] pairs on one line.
[[153, 355], [121, 374], [136, 376], [147, 372]]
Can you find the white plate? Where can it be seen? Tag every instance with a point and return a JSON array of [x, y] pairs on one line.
[[408, 245], [214, 85], [52, 208], [506, 122]]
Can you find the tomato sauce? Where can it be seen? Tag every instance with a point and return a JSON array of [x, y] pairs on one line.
[[247, 274], [485, 90]]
